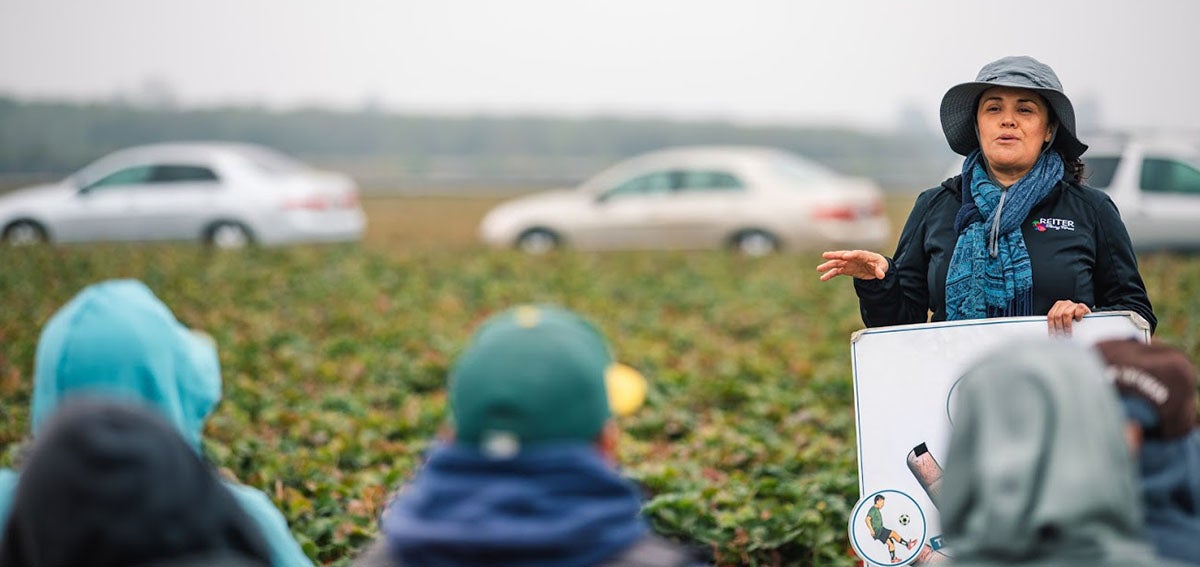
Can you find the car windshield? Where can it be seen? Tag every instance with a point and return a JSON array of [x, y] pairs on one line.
[[272, 162], [92, 173], [797, 169]]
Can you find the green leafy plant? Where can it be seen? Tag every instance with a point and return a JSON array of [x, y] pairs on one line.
[[334, 360]]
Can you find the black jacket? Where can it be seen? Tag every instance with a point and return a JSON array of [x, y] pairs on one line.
[[110, 484], [1078, 247]]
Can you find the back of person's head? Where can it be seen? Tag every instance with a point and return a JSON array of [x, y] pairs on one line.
[[111, 484], [1157, 385], [116, 339], [1038, 469], [529, 479], [537, 375]]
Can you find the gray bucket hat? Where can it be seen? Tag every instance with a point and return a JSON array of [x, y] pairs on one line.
[[959, 104]]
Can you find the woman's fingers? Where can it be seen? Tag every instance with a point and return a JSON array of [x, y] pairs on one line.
[[1066, 318], [833, 266], [1063, 314], [1081, 310], [831, 274], [856, 263], [830, 265], [880, 269], [1054, 317]]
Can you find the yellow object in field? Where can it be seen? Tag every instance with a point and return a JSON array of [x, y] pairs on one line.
[[626, 389]]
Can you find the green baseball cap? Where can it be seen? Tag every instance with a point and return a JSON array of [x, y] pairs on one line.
[[538, 374]]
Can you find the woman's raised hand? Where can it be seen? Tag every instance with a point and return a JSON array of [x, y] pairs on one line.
[[861, 264]]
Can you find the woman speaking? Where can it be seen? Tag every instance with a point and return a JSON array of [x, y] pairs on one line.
[[1017, 233]]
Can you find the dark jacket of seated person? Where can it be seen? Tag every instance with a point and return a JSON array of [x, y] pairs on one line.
[[529, 478]]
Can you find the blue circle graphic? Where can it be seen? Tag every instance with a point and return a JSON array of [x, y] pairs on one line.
[[950, 400]]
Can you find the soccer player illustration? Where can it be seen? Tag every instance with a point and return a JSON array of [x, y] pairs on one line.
[[874, 521]]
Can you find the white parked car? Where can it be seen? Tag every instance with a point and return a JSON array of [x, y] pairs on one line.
[[755, 200], [1155, 182], [223, 194]]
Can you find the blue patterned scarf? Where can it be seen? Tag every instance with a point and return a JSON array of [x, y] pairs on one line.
[[989, 273]]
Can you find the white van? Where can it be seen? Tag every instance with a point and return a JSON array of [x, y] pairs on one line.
[[1155, 182]]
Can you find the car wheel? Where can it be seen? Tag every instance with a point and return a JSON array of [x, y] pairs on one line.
[[228, 236], [537, 241], [755, 243], [24, 233]]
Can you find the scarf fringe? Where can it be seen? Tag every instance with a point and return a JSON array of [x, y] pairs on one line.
[[1020, 306]]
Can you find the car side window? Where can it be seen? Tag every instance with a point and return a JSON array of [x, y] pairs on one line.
[[1099, 171], [646, 184], [182, 174], [137, 175], [1169, 176], [708, 180]]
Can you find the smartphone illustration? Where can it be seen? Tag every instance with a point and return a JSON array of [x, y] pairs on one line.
[[927, 470], [928, 556]]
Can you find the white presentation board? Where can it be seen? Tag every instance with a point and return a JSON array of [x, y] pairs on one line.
[[904, 377]]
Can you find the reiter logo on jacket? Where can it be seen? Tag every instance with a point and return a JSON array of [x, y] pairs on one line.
[[1044, 224]]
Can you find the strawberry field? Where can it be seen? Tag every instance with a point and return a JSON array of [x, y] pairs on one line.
[[335, 357]]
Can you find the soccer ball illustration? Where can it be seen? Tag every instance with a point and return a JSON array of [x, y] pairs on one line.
[[903, 519]]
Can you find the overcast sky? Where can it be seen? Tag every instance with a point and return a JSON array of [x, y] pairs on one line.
[[762, 61]]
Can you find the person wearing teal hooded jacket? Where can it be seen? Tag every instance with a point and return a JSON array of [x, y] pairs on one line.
[[117, 340], [1039, 473]]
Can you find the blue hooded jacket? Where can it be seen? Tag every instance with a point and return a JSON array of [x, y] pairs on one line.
[[117, 340], [552, 506]]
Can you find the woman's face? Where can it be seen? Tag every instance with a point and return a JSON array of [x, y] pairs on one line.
[[1013, 125]]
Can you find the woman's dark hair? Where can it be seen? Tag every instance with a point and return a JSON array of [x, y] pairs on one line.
[[1074, 167]]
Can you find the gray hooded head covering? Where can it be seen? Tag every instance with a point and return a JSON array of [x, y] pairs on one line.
[[1038, 472], [959, 104]]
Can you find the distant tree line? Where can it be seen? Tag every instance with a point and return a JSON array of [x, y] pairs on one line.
[[405, 150]]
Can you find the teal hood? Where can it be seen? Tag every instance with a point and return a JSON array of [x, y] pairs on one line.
[[116, 339], [1038, 472]]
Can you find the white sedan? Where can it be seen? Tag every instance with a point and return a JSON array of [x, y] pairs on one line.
[[754, 200], [223, 194]]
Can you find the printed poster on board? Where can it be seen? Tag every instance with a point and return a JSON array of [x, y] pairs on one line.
[[904, 378]]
